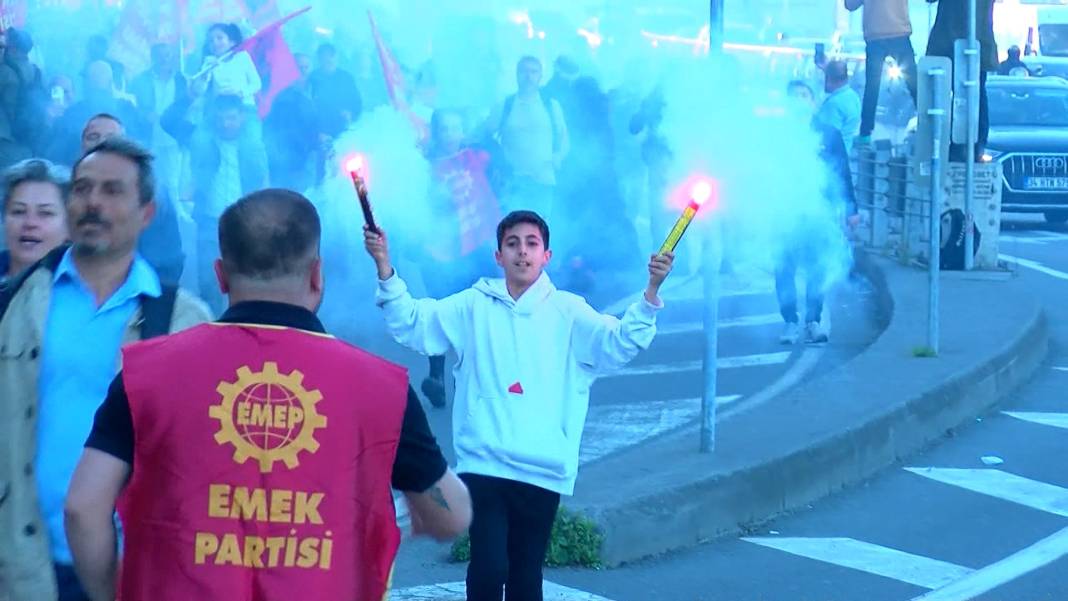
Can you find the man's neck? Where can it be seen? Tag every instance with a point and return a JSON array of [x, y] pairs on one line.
[[527, 93], [103, 274]]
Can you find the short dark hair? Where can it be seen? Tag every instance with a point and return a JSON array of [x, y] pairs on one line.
[[515, 218], [127, 148], [104, 116], [33, 170], [799, 83], [269, 234], [226, 102], [837, 70], [19, 39], [528, 59]]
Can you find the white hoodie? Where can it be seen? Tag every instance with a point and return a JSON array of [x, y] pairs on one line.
[[524, 371]]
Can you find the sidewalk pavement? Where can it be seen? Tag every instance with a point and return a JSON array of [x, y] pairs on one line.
[[830, 432]]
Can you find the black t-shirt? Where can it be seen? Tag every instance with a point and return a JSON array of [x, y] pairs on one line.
[[419, 462]]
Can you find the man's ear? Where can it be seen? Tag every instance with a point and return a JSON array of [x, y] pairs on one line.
[[220, 275]]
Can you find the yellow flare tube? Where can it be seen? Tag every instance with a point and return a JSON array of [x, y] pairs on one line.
[[680, 228]]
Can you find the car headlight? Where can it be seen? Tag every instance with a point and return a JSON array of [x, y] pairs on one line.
[[990, 156]]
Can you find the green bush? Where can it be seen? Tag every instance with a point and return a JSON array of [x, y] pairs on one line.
[[924, 352], [575, 541]]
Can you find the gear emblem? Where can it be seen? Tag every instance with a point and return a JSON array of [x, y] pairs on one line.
[[268, 416]]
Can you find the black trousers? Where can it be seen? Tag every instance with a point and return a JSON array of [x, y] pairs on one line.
[[69, 587], [876, 53], [509, 536]]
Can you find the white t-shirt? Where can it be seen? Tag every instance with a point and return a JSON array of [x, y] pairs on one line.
[[238, 76], [226, 185], [527, 138]]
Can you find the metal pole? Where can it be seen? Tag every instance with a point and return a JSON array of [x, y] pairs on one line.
[[972, 83], [937, 114], [710, 272], [713, 255]]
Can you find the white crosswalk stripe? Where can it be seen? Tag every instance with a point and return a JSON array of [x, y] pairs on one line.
[[873, 559], [1035, 265], [610, 428], [1057, 420], [457, 591], [1002, 485], [743, 321], [1040, 554], [950, 582], [721, 363]]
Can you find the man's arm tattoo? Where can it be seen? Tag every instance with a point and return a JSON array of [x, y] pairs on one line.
[[439, 498]]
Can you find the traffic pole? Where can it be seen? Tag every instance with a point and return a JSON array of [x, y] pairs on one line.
[[972, 83], [937, 114], [710, 266]]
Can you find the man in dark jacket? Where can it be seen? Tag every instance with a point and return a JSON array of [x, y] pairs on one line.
[[155, 90], [227, 160], [951, 24], [99, 97]]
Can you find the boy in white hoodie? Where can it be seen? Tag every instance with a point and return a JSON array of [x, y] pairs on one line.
[[527, 355]]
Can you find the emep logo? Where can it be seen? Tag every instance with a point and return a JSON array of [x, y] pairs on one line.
[[1050, 163], [268, 416]]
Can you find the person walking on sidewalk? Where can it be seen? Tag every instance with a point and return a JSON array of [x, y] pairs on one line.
[[252, 458], [528, 354], [887, 29], [841, 108], [805, 246]]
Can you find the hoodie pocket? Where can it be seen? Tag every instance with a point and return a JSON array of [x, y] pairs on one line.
[[523, 435]]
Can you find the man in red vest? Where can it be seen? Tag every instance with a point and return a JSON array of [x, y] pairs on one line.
[[251, 459]]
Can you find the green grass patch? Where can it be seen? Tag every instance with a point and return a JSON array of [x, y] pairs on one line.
[[574, 542], [924, 352]]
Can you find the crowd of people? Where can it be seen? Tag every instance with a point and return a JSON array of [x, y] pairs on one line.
[[97, 252]]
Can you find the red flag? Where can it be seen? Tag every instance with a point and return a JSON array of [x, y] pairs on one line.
[[274, 60], [398, 91]]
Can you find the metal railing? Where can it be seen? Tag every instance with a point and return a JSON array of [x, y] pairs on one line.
[[895, 210]]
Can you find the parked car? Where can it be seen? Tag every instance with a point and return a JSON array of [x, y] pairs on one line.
[[1029, 137]]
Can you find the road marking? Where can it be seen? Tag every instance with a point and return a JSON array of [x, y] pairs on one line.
[[873, 559], [1057, 420], [1035, 265], [800, 368], [721, 363], [1060, 368], [733, 322], [457, 591], [998, 574], [1002, 485], [610, 428]]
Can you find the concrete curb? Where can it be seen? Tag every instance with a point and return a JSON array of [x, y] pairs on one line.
[[796, 450]]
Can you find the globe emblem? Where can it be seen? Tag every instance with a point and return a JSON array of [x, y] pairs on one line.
[[268, 416], [262, 415]]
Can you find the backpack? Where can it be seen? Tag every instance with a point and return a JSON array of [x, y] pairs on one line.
[[952, 255], [156, 312], [500, 172]]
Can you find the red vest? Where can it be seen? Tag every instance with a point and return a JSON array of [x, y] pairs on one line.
[[262, 466]]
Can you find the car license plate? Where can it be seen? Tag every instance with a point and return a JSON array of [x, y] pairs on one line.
[[1047, 183]]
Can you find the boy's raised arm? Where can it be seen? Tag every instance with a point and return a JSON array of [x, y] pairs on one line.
[[427, 326], [604, 343]]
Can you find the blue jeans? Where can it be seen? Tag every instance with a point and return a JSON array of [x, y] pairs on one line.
[[804, 255]]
